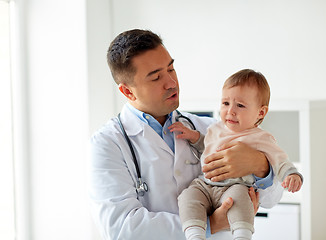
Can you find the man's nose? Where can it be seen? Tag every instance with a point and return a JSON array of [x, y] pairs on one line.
[[171, 81]]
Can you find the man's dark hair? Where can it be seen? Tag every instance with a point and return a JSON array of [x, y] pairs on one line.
[[124, 47]]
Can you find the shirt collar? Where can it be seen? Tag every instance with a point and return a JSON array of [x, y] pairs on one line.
[[147, 118]]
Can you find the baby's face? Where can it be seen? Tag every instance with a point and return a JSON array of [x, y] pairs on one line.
[[240, 108]]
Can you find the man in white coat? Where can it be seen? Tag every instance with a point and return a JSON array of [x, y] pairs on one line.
[[143, 70]]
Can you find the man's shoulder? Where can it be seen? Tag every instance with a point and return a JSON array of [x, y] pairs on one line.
[[107, 130]]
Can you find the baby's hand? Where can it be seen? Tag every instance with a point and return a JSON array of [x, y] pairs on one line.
[[292, 182], [185, 133]]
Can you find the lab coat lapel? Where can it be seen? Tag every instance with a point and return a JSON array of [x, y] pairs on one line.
[[184, 172], [181, 146], [156, 140], [139, 127]]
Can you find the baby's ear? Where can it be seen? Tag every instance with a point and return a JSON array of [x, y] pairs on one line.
[[263, 111]]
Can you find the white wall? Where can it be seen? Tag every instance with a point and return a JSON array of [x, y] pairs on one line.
[[101, 88], [212, 39], [56, 90]]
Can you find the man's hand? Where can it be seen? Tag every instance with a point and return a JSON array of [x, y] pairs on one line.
[[219, 221], [235, 160], [254, 196]]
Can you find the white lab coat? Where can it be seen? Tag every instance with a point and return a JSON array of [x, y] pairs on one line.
[[118, 211]]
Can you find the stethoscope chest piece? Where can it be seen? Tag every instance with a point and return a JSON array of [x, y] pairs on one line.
[[141, 187]]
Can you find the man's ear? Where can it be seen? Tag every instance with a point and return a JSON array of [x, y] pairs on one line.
[[127, 91], [263, 111]]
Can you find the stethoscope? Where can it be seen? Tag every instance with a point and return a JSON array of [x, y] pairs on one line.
[[141, 186], [188, 123]]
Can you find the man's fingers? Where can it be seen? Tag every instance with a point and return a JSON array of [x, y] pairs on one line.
[[217, 174], [254, 196], [227, 204], [216, 171], [220, 177], [218, 219], [213, 157], [227, 145]]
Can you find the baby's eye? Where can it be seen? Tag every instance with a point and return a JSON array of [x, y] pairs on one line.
[[241, 105], [226, 103]]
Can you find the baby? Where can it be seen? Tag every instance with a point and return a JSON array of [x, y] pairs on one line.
[[245, 99]]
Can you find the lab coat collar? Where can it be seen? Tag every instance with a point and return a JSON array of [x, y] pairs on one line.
[[136, 127], [140, 127]]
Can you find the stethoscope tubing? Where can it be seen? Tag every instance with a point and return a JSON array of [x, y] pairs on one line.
[[188, 119], [130, 146], [141, 186]]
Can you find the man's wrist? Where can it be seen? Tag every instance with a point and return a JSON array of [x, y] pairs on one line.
[[262, 169], [263, 183]]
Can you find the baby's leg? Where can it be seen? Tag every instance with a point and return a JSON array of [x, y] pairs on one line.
[[194, 202], [241, 215]]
